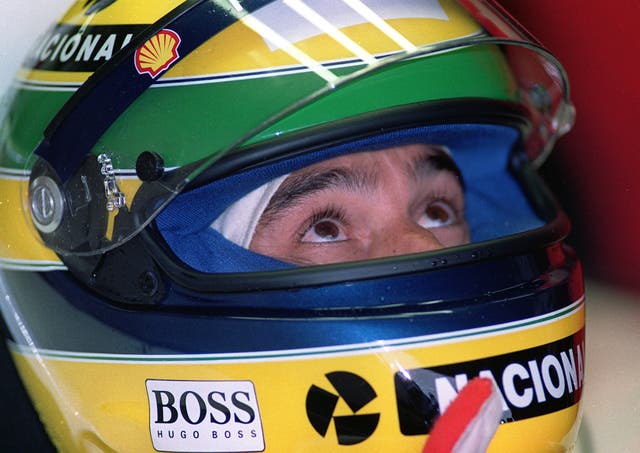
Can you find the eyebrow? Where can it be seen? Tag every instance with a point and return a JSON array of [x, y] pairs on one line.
[[439, 159], [307, 183]]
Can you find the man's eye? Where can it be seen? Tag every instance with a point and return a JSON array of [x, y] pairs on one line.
[[438, 214], [325, 230]]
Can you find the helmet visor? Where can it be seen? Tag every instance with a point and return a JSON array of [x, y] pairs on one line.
[[213, 78]]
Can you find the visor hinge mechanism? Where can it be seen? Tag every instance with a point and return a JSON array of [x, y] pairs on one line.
[[115, 198]]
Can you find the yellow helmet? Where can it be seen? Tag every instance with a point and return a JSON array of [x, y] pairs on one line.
[[135, 326]]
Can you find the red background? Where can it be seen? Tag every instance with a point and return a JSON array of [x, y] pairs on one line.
[[594, 169]]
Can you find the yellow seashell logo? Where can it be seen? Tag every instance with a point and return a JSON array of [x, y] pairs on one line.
[[158, 53]]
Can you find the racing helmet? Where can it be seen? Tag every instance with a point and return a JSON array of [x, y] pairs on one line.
[[138, 322]]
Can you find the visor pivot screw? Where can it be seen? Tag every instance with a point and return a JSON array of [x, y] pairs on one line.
[[149, 283], [149, 166], [47, 204]]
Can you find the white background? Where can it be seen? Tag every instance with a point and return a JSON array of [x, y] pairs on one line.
[[21, 22], [612, 386]]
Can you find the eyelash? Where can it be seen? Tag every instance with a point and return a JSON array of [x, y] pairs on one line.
[[433, 198], [331, 212]]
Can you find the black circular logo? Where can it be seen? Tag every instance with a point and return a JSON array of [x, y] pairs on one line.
[[321, 404]]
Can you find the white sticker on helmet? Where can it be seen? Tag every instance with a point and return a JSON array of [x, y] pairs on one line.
[[204, 416]]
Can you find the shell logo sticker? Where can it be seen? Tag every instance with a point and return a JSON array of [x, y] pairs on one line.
[[158, 53]]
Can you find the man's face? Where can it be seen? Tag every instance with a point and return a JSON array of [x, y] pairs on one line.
[[365, 205]]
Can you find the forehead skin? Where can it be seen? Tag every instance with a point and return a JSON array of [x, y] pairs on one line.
[[377, 190]]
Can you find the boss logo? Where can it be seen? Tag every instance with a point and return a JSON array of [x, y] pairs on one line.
[[204, 416]]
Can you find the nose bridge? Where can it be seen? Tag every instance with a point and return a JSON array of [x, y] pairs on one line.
[[402, 237]]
